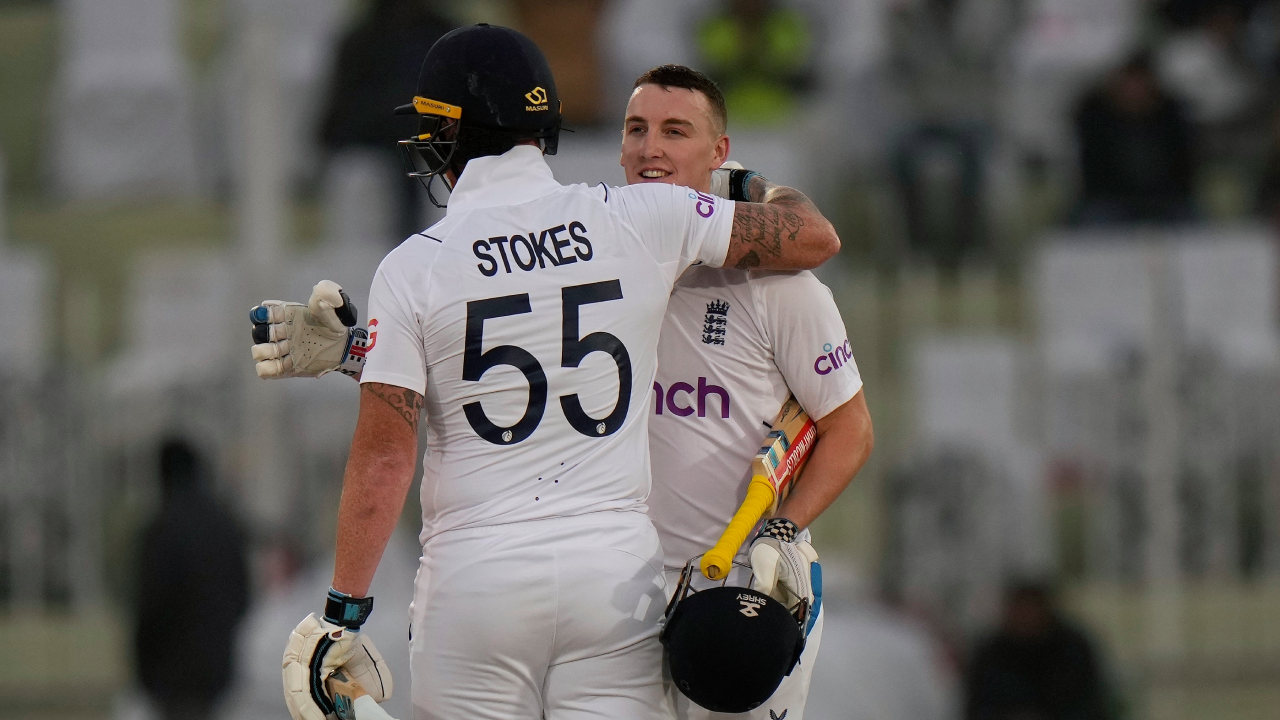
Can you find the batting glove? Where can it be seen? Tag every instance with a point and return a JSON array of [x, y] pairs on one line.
[[319, 646], [295, 340], [780, 566], [732, 181]]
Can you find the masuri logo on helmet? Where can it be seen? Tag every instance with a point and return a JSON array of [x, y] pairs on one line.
[[469, 103], [538, 97]]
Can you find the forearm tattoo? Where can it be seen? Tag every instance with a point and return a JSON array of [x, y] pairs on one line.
[[764, 228], [406, 402]]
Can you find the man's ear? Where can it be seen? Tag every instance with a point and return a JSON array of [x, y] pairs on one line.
[[721, 150]]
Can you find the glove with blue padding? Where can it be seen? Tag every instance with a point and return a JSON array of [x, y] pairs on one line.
[[318, 647], [296, 340], [781, 565]]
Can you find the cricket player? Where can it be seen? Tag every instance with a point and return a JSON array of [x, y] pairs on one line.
[[735, 343], [540, 585]]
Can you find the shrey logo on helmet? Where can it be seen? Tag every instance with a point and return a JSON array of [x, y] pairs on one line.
[[538, 97], [729, 648]]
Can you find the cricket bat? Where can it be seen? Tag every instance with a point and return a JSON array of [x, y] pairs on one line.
[[773, 472], [350, 701]]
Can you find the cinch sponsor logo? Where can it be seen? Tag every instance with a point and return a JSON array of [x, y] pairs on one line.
[[833, 359], [672, 398], [706, 204]]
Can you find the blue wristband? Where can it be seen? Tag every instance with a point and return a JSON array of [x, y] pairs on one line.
[[349, 612], [740, 184]]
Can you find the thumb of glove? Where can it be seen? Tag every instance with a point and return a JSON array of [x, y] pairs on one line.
[[809, 553], [765, 560], [326, 297]]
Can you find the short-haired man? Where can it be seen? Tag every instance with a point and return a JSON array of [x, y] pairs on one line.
[[539, 589], [735, 342]]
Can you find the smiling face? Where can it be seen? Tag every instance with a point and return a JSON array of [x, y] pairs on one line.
[[672, 136]]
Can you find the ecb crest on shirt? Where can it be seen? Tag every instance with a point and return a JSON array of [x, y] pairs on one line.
[[715, 323]]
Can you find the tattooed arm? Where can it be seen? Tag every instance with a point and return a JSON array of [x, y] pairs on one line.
[[380, 468], [780, 229]]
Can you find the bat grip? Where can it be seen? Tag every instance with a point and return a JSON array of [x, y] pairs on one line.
[[717, 561]]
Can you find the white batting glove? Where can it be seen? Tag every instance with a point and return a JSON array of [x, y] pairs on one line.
[[295, 340], [780, 566], [318, 647]]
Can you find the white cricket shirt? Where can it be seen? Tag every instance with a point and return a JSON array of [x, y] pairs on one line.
[[734, 344], [529, 320]]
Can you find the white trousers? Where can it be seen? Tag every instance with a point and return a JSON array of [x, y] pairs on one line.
[[786, 703], [547, 620]]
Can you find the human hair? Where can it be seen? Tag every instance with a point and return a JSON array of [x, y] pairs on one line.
[[669, 76]]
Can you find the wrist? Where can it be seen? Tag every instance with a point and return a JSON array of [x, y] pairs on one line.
[[781, 529], [740, 185], [347, 611], [354, 354]]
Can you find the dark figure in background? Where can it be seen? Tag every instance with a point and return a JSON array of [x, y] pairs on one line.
[[1268, 200], [939, 168], [760, 53], [377, 68], [1035, 667], [192, 592], [1136, 156]]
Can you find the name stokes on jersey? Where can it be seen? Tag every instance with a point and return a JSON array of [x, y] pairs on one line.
[[534, 249]]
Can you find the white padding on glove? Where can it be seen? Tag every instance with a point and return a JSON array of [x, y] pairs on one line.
[[368, 668], [305, 340], [316, 648], [720, 178], [368, 709], [781, 570]]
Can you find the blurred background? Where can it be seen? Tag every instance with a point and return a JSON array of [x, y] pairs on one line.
[[1059, 277]]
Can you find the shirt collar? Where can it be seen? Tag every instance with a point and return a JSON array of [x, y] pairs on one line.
[[517, 176]]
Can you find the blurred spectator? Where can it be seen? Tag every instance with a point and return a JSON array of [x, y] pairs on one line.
[[1136, 155], [1204, 66], [1036, 666], [760, 52], [1269, 188], [377, 71], [192, 592], [939, 167]]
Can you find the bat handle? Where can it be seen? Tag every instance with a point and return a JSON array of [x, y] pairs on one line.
[[717, 561]]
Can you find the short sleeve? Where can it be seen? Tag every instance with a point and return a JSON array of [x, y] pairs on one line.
[[810, 344], [678, 224], [396, 354]]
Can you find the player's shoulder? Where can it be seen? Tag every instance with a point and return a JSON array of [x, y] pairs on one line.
[[417, 253], [789, 292], [653, 195], [705, 277], [785, 282], [643, 190]]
